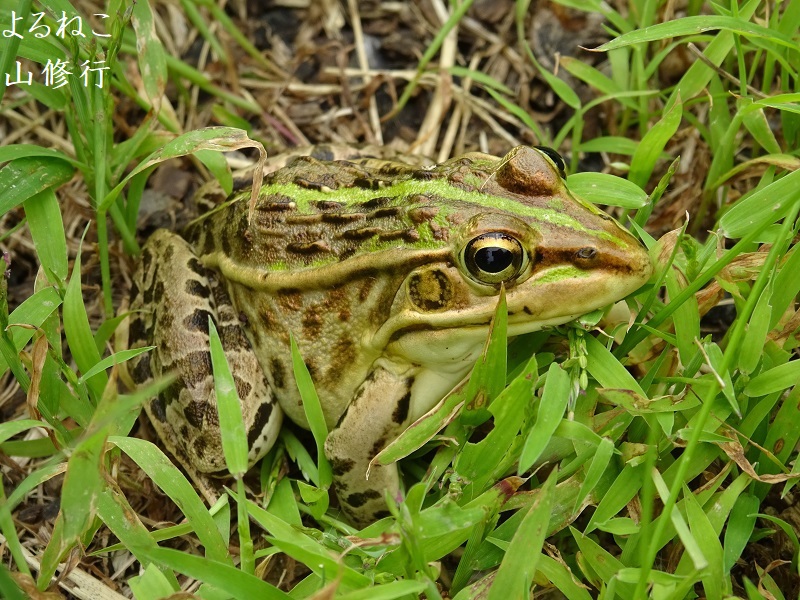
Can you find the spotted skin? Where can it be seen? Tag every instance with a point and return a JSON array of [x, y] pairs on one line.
[[178, 297], [364, 263]]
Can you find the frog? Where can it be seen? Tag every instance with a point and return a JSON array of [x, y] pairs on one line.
[[386, 274]]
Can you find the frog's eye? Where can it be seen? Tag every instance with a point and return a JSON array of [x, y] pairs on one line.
[[558, 161], [493, 257]]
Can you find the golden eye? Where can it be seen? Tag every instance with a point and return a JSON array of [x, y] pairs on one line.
[[493, 258]]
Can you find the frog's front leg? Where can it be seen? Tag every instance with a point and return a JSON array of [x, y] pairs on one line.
[[172, 298], [378, 413]]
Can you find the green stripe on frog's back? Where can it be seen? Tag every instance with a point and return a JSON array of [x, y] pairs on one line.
[[307, 228], [401, 192]]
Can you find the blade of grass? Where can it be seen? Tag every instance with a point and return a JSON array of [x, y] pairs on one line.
[[314, 414], [515, 575]]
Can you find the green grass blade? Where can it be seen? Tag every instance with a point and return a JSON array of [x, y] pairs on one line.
[[739, 528], [150, 584], [229, 408], [550, 411], [515, 575], [220, 139], [766, 206], [79, 334], [602, 188], [387, 591], [708, 543], [597, 467], [305, 549], [83, 483], [314, 414], [776, 379], [120, 518], [47, 230], [653, 144], [696, 25], [173, 483], [23, 178]]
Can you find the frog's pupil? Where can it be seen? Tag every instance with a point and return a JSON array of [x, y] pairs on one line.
[[493, 259]]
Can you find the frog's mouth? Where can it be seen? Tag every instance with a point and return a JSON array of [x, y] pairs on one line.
[[456, 334]]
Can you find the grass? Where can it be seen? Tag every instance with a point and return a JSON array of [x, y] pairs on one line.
[[657, 459]]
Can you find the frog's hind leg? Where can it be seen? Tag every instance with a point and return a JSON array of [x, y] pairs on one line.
[[175, 296], [378, 413]]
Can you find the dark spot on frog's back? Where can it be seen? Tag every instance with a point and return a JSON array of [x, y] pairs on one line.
[[313, 371], [149, 291], [195, 367], [243, 388], [342, 218], [141, 371], [165, 320], [312, 322], [400, 413], [195, 288], [361, 233], [327, 205], [339, 302], [324, 181], [379, 202], [356, 500], [136, 330], [233, 338], [147, 259], [259, 422], [278, 373], [199, 447], [409, 236], [360, 499], [388, 212], [275, 203], [424, 175], [344, 351], [369, 183], [227, 247], [195, 413], [206, 243], [422, 214], [158, 408], [366, 288], [342, 466], [197, 267], [198, 321], [308, 248], [158, 292], [267, 318], [378, 446], [290, 299], [173, 391]]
